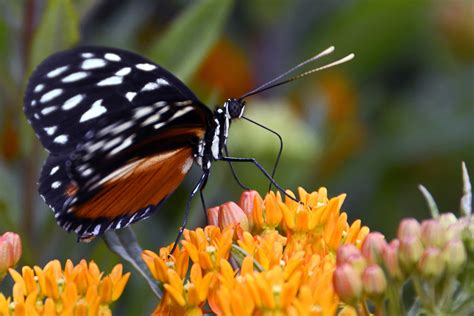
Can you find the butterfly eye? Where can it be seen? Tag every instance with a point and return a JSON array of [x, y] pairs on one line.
[[235, 108]]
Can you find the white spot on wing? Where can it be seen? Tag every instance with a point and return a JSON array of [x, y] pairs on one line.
[[55, 184], [50, 130], [127, 142], [159, 125], [155, 117], [122, 127], [112, 143], [112, 57], [110, 81], [130, 95], [87, 55], [181, 112], [48, 110], [96, 110], [93, 63], [39, 87], [54, 170], [96, 230], [61, 139], [146, 67], [93, 147], [72, 102], [33, 103], [56, 72], [155, 85], [76, 76], [48, 96], [187, 165], [123, 72], [87, 172], [143, 111]]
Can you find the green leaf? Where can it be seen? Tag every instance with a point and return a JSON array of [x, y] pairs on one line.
[[239, 255], [185, 44], [58, 30], [124, 243]]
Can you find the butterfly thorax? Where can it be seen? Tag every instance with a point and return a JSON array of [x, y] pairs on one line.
[[211, 147]]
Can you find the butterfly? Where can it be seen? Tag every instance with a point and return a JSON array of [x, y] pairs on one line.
[[122, 132]]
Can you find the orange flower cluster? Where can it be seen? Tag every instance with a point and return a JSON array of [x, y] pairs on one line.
[[74, 290], [264, 256]]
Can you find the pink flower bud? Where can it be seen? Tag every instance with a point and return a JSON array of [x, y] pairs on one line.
[[246, 203], [374, 282], [10, 251], [454, 231], [390, 259], [373, 246], [446, 219], [213, 216], [410, 252], [347, 284], [409, 227], [431, 265], [433, 233], [230, 214], [345, 253], [455, 256]]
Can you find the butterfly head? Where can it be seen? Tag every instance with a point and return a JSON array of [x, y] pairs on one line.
[[234, 108]]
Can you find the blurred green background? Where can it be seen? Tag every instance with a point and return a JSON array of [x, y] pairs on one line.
[[400, 114]]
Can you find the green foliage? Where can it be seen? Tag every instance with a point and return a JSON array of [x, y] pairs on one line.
[[185, 44], [58, 30]]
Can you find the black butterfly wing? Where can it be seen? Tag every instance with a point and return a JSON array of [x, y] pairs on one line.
[[118, 148], [71, 91]]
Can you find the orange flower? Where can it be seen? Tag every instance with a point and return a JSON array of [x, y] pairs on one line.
[[208, 246], [76, 290], [283, 265]]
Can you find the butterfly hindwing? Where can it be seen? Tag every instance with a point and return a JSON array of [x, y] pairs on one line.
[[71, 91]]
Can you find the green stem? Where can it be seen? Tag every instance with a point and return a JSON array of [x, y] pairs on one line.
[[425, 299], [395, 306]]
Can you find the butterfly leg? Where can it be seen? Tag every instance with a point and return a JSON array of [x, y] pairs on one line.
[[277, 160], [262, 169], [243, 186], [202, 181]]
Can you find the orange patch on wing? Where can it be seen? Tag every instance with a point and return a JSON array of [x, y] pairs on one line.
[[137, 185]]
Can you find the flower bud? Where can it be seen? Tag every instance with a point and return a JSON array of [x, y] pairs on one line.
[[10, 251], [390, 259], [230, 214], [433, 233], [431, 265], [410, 252], [409, 227], [247, 201], [446, 219], [455, 230], [349, 254], [455, 256], [374, 282], [213, 216], [345, 252], [373, 246], [347, 284]]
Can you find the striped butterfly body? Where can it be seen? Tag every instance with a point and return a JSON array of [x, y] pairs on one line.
[[122, 132]]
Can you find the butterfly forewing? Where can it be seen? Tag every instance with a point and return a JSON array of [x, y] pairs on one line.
[[120, 131], [71, 91]]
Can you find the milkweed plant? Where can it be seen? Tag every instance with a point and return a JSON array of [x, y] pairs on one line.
[[270, 256]]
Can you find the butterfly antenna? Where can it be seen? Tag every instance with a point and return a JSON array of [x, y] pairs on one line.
[[274, 82]]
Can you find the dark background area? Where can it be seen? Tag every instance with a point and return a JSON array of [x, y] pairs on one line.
[[398, 115]]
